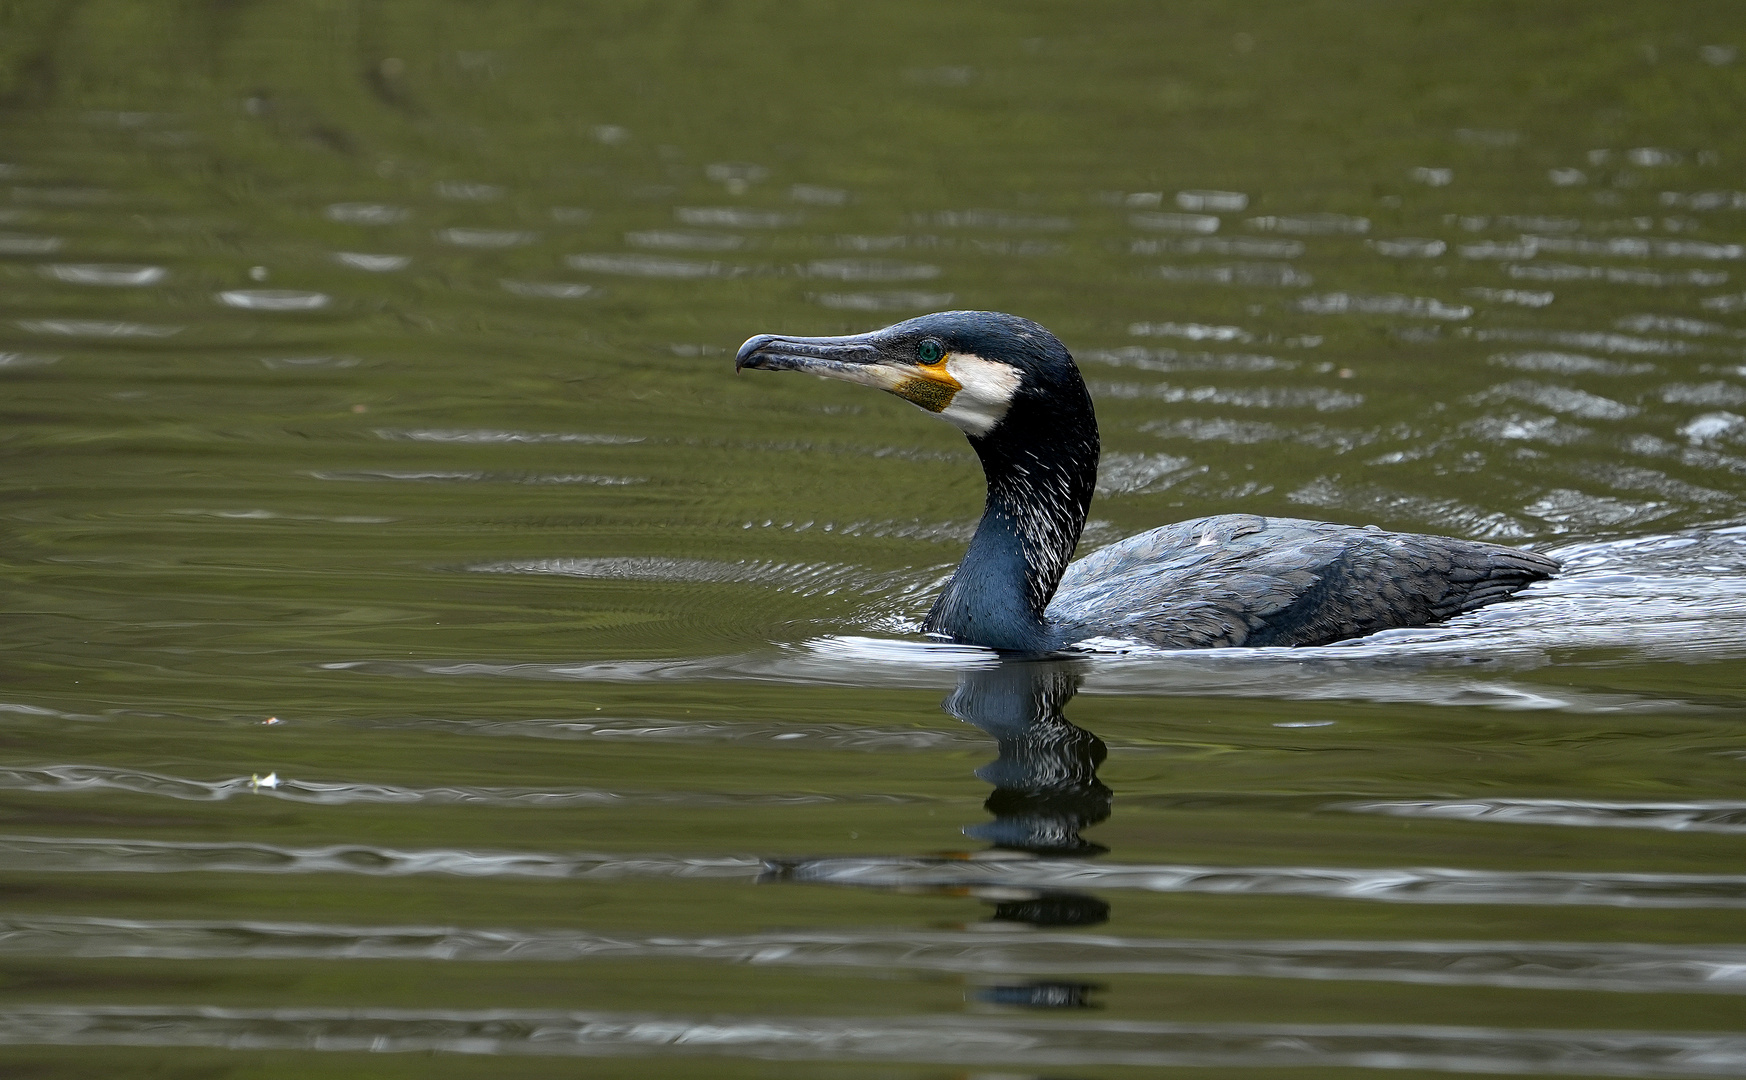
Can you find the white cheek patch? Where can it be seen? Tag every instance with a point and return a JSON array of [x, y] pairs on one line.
[[988, 389]]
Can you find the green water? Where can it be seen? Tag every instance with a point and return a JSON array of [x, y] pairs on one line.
[[421, 655]]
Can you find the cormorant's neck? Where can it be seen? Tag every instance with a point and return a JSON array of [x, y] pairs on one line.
[[1041, 465]]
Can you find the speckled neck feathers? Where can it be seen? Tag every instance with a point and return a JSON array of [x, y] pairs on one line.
[[1041, 466]]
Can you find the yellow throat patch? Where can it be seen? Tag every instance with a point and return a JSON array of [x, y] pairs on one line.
[[931, 388]]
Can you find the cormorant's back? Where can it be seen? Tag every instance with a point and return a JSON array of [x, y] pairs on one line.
[[1239, 579]]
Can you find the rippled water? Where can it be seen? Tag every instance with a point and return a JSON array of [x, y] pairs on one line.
[[419, 645]]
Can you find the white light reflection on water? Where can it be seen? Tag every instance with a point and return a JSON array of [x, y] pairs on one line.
[[1719, 815], [106, 274], [1618, 968], [89, 779], [1003, 872], [274, 299], [946, 1039]]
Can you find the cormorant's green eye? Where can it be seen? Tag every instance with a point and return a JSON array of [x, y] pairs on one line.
[[930, 351]]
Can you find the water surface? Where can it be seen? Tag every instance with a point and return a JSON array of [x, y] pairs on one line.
[[418, 643]]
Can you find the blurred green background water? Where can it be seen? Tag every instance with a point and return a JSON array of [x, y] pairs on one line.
[[368, 429]]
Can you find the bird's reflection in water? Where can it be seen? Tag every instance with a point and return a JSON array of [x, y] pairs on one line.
[[1045, 780], [1046, 791]]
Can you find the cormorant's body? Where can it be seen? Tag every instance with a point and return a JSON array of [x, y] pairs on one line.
[[1235, 579], [1238, 579]]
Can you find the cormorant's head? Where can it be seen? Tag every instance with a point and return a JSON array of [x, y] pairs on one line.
[[968, 367]]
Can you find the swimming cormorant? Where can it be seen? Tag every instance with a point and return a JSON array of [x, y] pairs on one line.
[[1233, 579]]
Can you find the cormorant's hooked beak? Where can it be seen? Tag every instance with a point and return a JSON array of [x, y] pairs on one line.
[[866, 359], [821, 356]]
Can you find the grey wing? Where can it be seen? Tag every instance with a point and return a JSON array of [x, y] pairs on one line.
[[1240, 579]]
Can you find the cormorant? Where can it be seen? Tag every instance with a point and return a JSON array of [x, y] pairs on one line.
[[1232, 579]]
